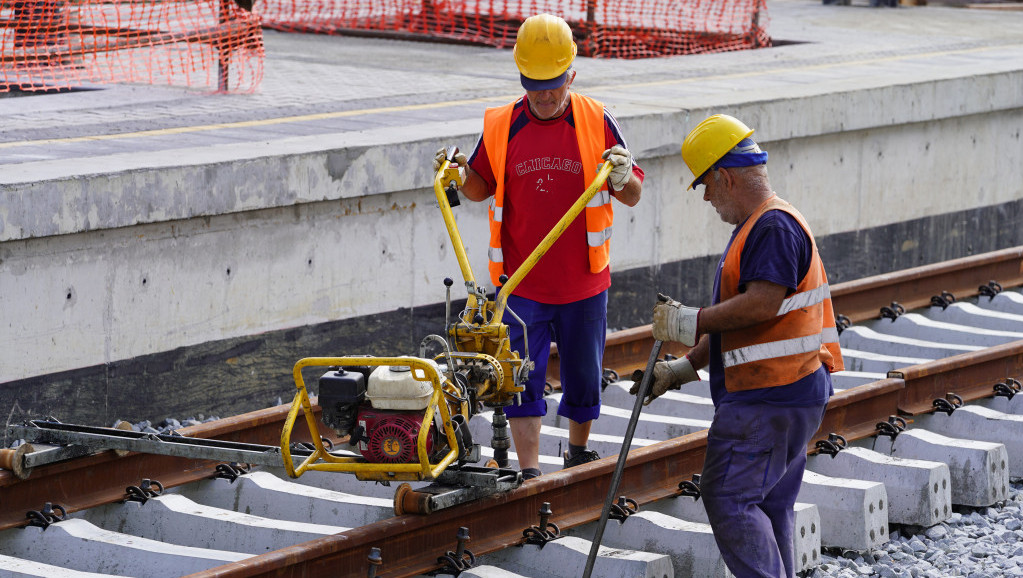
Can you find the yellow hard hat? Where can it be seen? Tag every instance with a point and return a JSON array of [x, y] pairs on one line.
[[710, 140], [543, 51]]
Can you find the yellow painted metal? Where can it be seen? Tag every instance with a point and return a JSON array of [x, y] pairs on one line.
[[480, 327], [482, 347], [322, 460]]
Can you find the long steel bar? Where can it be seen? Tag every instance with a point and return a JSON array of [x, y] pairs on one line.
[[101, 478], [100, 439], [641, 395], [862, 299], [970, 376]]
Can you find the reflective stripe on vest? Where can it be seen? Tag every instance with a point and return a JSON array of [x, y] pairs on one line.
[[798, 340], [589, 129]]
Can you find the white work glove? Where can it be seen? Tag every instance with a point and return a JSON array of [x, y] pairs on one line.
[[442, 155], [676, 322], [668, 375], [621, 158]]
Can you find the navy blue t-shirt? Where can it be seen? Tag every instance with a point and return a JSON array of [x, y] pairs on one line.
[[777, 250]]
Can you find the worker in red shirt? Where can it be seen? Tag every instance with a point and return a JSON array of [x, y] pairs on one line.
[[534, 159]]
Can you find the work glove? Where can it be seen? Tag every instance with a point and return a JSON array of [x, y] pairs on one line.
[[442, 155], [621, 172], [667, 375], [676, 322]]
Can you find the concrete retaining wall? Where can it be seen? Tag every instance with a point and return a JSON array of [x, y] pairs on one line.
[[224, 272]]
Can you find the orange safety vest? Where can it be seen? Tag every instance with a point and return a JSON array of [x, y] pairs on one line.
[[589, 130], [794, 344]]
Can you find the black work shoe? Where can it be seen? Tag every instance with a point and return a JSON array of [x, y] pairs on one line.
[[583, 457]]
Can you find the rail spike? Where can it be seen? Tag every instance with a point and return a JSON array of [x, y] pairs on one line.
[[231, 471], [842, 323], [690, 488], [142, 492], [990, 290], [622, 509], [831, 446], [541, 535], [948, 404], [893, 311], [458, 561], [48, 515], [1008, 389], [891, 429], [943, 300]]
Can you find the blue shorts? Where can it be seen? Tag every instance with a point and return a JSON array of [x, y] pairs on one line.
[[579, 329]]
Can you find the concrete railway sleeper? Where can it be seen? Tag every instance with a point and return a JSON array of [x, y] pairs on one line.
[[924, 420]]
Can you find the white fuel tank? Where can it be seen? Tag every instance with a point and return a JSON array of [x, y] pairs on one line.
[[395, 387]]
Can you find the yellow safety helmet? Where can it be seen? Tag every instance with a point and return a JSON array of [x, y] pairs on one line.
[[709, 141], [543, 51]]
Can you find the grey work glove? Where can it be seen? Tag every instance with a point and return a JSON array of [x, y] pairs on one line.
[[676, 322], [621, 172], [668, 375], [442, 155]]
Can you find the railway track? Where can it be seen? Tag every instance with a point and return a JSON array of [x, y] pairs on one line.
[[922, 346]]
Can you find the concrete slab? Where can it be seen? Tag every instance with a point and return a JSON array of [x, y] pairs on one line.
[[690, 545], [915, 326], [658, 423], [974, 422], [18, 568], [806, 541], [854, 512], [968, 314], [979, 470], [79, 545], [919, 492], [875, 362], [486, 571], [863, 338], [1009, 301], [567, 556], [175, 519], [690, 403], [272, 497]]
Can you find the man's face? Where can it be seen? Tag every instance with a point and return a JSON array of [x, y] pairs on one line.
[[719, 192], [548, 104]]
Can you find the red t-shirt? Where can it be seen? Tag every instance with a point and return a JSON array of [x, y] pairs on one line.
[[544, 178]]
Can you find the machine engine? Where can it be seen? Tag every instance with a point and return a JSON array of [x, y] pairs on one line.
[[382, 409]]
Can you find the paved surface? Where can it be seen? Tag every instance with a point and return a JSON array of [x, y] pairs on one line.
[[316, 85]]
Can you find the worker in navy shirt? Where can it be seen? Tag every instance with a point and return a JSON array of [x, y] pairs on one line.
[[770, 341]]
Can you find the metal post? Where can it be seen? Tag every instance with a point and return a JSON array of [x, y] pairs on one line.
[[644, 390]]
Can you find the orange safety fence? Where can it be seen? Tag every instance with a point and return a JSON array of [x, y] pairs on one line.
[[603, 28], [48, 45]]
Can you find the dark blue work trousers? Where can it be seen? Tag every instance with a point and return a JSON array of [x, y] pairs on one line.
[[756, 455]]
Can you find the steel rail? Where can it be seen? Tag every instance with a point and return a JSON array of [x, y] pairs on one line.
[[101, 478], [858, 300], [412, 544]]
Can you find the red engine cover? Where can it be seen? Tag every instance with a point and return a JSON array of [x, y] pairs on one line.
[[392, 436]]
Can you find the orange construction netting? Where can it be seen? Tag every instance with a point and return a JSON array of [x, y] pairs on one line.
[[48, 45], [608, 29]]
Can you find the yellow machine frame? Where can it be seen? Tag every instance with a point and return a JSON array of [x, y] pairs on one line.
[[321, 459], [479, 335]]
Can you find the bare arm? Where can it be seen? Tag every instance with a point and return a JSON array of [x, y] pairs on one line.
[[630, 193], [475, 188], [759, 303]]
